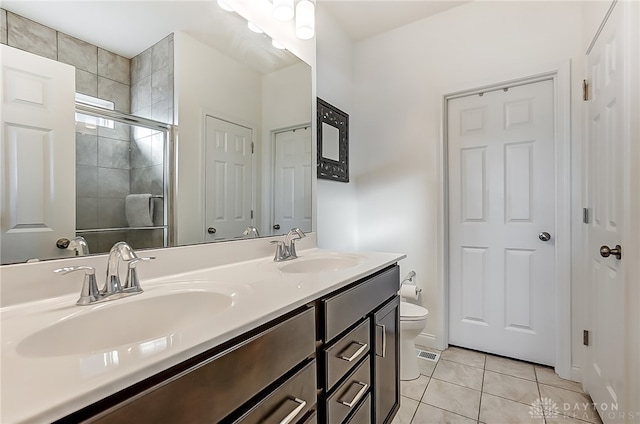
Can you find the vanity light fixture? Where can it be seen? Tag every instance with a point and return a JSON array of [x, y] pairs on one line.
[[277, 45], [283, 10], [225, 6], [305, 19], [254, 28]]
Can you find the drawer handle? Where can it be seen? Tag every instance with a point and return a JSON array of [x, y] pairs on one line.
[[357, 353], [358, 395], [295, 412], [384, 339]]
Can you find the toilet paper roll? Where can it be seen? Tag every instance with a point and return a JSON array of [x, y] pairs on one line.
[[409, 291]]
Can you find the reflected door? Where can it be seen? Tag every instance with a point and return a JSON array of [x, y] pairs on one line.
[[228, 180], [502, 221], [292, 181], [37, 155]]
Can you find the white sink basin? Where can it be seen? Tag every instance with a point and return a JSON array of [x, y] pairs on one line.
[[316, 264], [129, 321]]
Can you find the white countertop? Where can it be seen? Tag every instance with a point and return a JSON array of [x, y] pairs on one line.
[[38, 388]]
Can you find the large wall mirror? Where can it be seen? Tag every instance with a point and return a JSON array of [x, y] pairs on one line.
[[188, 127]]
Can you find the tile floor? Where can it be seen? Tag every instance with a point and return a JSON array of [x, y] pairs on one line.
[[466, 386]]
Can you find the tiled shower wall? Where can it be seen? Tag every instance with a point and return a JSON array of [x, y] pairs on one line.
[[110, 163]]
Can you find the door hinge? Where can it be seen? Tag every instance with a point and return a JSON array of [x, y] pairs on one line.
[[251, 214], [585, 215], [252, 147], [585, 90], [585, 337]]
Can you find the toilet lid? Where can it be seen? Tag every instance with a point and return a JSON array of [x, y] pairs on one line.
[[411, 312]]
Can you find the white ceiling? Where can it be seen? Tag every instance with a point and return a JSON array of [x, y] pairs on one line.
[[129, 27], [365, 18]]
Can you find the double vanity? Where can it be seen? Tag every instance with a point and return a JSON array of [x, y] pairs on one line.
[[249, 340]]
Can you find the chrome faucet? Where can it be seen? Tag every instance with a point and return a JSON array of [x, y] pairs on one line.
[[112, 289], [120, 250], [79, 245], [286, 250], [251, 231]]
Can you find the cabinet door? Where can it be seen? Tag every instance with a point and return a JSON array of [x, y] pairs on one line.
[[387, 361]]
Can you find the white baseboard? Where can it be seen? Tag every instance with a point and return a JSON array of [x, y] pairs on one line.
[[428, 340], [576, 373]]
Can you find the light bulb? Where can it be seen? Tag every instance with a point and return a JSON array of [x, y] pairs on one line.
[[254, 28], [283, 10], [224, 6], [277, 45], [305, 19]]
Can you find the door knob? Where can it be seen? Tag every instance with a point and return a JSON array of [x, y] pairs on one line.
[[211, 230], [276, 227], [605, 251], [544, 236], [62, 243]]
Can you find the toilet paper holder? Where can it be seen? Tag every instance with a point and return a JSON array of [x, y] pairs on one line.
[[410, 276]]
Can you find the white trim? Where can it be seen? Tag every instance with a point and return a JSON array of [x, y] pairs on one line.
[[561, 77], [428, 340], [576, 374]]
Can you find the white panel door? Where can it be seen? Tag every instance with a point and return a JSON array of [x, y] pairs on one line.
[[501, 197], [608, 189], [228, 179], [292, 180], [37, 156]]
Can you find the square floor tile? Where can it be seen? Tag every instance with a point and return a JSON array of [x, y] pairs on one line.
[[464, 356], [427, 414], [549, 377], [512, 388], [426, 367], [414, 389], [407, 410], [570, 403], [510, 367], [496, 410], [453, 398], [463, 375]]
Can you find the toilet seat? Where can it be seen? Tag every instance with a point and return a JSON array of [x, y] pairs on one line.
[[411, 312]]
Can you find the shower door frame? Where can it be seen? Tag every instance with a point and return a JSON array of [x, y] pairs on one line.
[[169, 174]]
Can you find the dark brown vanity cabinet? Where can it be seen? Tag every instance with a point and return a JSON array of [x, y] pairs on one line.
[[333, 361], [358, 360], [269, 376]]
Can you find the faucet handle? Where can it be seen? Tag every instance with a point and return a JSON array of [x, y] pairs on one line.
[[280, 250], [132, 283], [89, 293]]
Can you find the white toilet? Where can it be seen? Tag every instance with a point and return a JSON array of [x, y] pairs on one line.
[[413, 318]]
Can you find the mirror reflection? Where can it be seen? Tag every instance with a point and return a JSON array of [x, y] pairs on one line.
[[190, 128]]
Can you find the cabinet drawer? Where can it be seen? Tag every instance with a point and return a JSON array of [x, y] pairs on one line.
[[292, 399], [347, 397], [345, 353], [363, 414], [214, 388], [342, 310]]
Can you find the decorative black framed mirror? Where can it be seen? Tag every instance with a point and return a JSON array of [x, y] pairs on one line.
[[333, 143]]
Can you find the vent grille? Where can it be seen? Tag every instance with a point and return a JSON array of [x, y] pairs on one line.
[[428, 356]]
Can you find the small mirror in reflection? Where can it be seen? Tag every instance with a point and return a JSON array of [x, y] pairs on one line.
[[330, 142]]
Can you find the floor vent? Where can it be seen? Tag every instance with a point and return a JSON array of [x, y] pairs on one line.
[[428, 356]]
